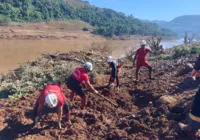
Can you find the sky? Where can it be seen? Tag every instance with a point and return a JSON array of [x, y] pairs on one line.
[[152, 9]]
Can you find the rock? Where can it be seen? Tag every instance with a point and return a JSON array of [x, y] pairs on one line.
[[172, 84], [100, 126], [189, 66], [107, 121], [163, 109], [168, 100], [118, 134], [145, 112]]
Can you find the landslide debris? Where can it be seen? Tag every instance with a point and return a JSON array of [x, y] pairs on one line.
[[148, 110]]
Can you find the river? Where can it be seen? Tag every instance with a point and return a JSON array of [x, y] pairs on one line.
[[15, 52], [171, 43]]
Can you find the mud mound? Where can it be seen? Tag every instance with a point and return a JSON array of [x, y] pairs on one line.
[[49, 69], [144, 110]]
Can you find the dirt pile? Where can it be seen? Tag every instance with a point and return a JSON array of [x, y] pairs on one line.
[[140, 115]]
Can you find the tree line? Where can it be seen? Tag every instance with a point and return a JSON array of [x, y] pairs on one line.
[[107, 22]]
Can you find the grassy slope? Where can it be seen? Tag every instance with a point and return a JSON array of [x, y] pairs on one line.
[[67, 24]]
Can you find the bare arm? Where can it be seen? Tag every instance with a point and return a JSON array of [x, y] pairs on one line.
[[135, 57], [90, 86], [60, 114]]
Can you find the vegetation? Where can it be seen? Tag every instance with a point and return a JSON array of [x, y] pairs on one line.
[[52, 68], [106, 21], [178, 51], [154, 44]]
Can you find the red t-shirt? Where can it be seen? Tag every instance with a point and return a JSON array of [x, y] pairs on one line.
[[142, 54], [53, 89], [80, 75]]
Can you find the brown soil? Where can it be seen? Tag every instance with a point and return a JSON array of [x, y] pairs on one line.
[[66, 30], [138, 116]]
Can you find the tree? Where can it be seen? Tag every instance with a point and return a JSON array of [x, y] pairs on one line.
[[154, 43], [188, 40]]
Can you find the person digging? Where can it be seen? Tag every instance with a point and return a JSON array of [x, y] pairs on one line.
[[52, 97], [115, 69], [141, 59], [79, 79]]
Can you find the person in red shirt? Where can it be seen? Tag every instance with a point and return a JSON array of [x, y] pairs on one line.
[[141, 59], [78, 79], [52, 97]]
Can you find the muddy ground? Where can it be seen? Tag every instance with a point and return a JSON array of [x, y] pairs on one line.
[[141, 114], [58, 30]]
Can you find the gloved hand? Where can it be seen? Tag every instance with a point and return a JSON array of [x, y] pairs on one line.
[[96, 92], [194, 78]]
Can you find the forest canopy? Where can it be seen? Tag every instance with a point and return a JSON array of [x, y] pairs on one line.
[[107, 22]]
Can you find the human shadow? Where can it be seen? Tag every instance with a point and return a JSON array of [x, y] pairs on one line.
[[15, 129], [188, 84], [141, 98]]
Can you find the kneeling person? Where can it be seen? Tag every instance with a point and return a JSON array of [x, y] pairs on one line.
[[52, 97], [78, 79]]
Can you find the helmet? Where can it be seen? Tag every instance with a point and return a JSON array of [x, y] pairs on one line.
[[109, 58], [51, 100], [143, 42], [88, 66]]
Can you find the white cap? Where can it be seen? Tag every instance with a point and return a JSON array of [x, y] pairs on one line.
[[88, 66], [51, 100], [143, 42], [109, 58]]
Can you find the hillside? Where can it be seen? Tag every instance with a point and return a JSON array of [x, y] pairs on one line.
[[182, 24], [107, 22]]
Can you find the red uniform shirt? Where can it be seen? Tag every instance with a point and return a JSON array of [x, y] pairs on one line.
[[53, 89], [142, 54], [80, 75]]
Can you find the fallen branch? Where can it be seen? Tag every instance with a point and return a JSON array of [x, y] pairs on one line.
[[107, 100]]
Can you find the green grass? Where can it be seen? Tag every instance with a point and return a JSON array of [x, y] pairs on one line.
[[76, 24]]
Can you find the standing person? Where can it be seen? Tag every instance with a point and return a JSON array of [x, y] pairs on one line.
[[52, 96], [78, 79], [114, 70], [141, 59], [194, 114]]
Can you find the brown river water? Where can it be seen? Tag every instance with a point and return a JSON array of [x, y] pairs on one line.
[[15, 52]]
